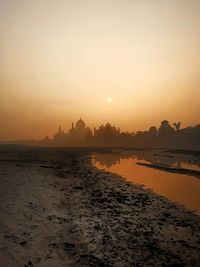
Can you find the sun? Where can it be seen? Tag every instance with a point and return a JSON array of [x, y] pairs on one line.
[[109, 100]]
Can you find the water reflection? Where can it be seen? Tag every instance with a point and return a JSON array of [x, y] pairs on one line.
[[179, 188], [154, 157]]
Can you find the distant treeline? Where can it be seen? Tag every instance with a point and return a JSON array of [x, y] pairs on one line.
[[166, 136]]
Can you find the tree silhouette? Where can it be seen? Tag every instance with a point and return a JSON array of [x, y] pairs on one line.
[[165, 128], [177, 125], [153, 131]]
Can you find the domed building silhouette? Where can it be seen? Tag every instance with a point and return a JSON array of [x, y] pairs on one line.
[[77, 132], [80, 125]]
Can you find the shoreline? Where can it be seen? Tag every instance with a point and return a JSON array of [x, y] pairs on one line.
[[69, 213], [166, 168]]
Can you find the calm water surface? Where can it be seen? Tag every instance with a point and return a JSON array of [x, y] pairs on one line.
[[179, 188]]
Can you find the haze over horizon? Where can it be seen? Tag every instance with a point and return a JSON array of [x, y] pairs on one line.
[[130, 63]]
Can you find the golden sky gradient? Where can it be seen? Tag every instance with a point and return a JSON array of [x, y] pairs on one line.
[[62, 59]]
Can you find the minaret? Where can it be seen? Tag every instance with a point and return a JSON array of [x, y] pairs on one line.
[[59, 129]]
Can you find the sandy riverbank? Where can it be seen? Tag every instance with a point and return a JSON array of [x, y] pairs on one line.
[[58, 210]]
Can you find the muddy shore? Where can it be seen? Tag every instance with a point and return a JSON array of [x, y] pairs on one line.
[[58, 210]]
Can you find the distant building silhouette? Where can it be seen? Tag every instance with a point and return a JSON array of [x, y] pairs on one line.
[[60, 135], [165, 136], [76, 133], [108, 130], [80, 131]]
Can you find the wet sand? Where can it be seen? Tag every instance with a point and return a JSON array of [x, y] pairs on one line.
[[58, 210]]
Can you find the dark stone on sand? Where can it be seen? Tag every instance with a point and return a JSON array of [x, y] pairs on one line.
[[69, 246], [23, 243], [29, 264], [93, 261]]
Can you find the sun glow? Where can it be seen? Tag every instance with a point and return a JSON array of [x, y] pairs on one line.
[[109, 100]]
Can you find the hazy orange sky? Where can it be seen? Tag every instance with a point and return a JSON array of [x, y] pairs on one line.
[[60, 60]]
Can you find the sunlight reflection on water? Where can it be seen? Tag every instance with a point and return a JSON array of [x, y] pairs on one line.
[[180, 188]]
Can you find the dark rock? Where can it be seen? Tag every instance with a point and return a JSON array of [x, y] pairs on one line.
[[69, 246]]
